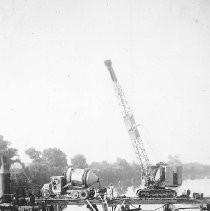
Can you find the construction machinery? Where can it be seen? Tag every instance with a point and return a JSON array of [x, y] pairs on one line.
[[156, 177], [73, 184]]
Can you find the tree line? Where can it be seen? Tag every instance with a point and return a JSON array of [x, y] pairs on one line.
[[52, 161]]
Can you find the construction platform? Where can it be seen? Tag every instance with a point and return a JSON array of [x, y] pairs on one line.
[[53, 204], [125, 200]]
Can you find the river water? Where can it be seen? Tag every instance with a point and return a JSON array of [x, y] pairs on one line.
[[198, 185]]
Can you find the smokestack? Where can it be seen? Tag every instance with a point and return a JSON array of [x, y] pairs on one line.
[[4, 177]]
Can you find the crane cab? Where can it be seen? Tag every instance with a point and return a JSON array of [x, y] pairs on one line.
[[167, 176]]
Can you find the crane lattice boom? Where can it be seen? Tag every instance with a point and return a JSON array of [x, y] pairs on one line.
[[130, 122]]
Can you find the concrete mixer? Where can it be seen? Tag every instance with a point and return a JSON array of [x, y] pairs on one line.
[[73, 184]]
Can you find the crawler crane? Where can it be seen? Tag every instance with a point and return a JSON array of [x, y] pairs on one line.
[[156, 177]]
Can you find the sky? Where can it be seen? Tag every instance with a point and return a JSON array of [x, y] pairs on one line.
[[55, 90]]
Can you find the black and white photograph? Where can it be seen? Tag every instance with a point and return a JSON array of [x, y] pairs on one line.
[[104, 105]]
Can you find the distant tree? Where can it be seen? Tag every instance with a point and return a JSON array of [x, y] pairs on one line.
[[18, 176], [39, 173], [9, 152], [79, 161], [120, 174], [126, 175], [49, 162], [54, 157], [33, 154], [174, 160]]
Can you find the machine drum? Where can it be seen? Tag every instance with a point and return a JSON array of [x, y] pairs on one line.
[[83, 194], [75, 194], [45, 194]]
